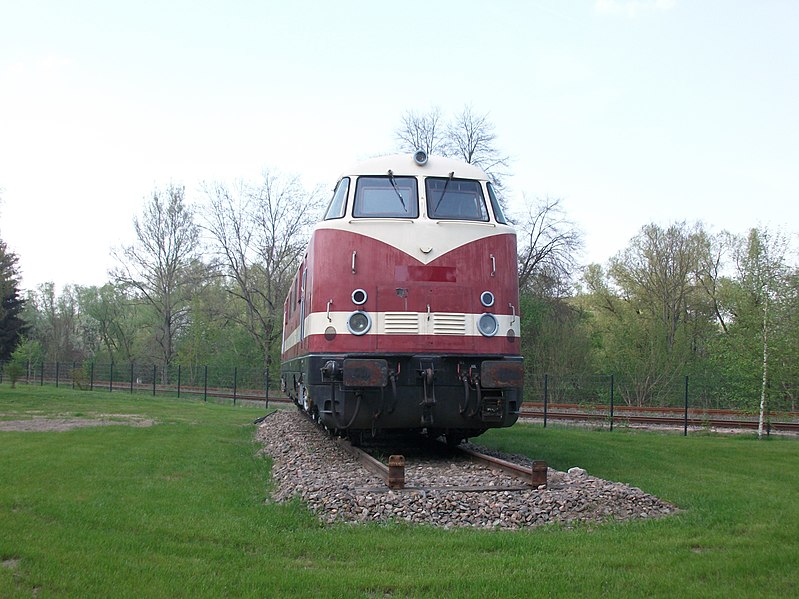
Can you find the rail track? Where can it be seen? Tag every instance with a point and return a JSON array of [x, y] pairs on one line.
[[393, 473], [716, 419]]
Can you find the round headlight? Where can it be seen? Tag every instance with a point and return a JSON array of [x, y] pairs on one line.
[[359, 297], [487, 299], [488, 325], [359, 323]]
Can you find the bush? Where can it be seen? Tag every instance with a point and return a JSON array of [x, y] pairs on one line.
[[14, 371], [79, 378]]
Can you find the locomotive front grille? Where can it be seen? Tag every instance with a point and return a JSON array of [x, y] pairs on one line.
[[449, 324], [401, 323]]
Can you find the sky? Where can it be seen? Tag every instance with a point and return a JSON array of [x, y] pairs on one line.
[[629, 111]]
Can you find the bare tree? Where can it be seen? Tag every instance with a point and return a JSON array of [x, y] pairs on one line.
[[160, 267], [468, 136], [259, 232], [422, 131], [472, 139], [548, 247]]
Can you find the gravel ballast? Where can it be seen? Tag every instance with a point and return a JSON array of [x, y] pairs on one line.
[[308, 464]]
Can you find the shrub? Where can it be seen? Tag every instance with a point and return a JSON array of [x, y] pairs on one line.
[[14, 371]]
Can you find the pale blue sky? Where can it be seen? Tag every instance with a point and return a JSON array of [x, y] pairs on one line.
[[631, 111]]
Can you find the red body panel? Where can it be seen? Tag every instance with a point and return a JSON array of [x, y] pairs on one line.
[[397, 282]]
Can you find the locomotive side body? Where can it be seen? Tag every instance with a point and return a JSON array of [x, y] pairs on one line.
[[404, 312]]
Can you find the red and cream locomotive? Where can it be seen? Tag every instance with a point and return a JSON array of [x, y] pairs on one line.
[[404, 314]]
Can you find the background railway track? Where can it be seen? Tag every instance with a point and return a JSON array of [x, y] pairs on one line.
[[666, 417], [661, 416]]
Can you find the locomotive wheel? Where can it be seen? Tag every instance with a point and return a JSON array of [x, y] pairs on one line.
[[454, 439], [355, 437]]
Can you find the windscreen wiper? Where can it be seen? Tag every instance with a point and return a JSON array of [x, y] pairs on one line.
[[394, 185], [443, 191]]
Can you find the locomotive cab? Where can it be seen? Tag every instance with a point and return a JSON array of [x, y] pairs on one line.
[[404, 313]]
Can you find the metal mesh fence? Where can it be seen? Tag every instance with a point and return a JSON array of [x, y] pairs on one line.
[[206, 382], [600, 396]]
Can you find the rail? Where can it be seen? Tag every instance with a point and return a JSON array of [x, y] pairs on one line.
[[648, 416], [393, 474]]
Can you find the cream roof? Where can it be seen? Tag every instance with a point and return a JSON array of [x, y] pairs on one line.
[[403, 164]]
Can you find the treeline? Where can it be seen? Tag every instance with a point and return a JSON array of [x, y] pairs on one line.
[[679, 301], [201, 284]]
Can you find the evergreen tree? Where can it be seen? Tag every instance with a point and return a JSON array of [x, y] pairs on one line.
[[12, 327]]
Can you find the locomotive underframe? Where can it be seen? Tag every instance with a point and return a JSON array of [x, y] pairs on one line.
[[453, 395]]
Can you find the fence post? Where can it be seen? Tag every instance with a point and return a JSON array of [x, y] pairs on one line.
[[612, 386], [91, 378], [56, 374], [28, 372], [685, 429], [111, 378], [131, 378], [546, 397], [235, 382], [178, 380], [205, 385], [154, 374]]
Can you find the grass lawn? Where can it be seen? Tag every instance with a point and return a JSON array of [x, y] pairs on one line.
[[178, 509]]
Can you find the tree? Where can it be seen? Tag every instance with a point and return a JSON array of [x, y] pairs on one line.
[[658, 271], [12, 326], [547, 248], [56, 323], [420, 131], [471, 137], [109, 320], [259, 232], [761, 305], [652, 315], [468, 136], [162, 267]]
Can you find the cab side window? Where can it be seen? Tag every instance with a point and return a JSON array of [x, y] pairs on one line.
[[338, 204]]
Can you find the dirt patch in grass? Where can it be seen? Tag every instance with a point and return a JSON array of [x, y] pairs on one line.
[[11, 563], [46, 425]]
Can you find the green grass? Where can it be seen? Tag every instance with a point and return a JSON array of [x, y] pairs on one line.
[[177, 509]]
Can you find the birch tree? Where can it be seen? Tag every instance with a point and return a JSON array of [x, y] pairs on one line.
[[762, 272]]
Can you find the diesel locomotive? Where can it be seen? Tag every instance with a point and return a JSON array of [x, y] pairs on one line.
[[404, 313]]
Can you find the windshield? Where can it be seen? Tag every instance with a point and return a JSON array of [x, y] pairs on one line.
[[386, 197], [455, 199]]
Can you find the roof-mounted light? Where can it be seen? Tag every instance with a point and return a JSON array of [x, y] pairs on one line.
[[420, 157]]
